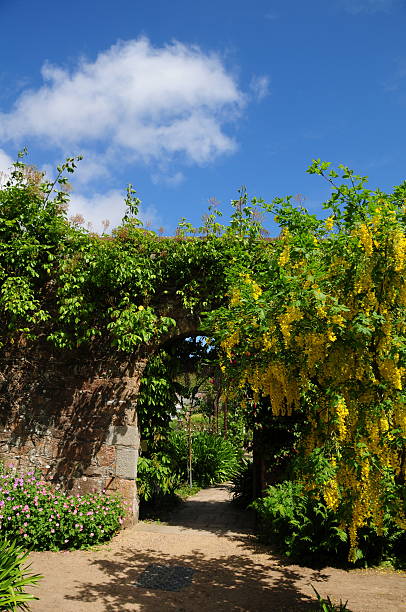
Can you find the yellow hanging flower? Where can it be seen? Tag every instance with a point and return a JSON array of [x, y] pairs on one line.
[[329, 223]]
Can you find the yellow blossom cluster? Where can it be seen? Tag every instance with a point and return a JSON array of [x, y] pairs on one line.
[[391, 372], [255, 288], [314, 346], [291, 314], [363, 232], [342, 414], [235, 297], [339, 333], [399, 250], [284, 256], [276, 382], [331, 494], [228, 343]]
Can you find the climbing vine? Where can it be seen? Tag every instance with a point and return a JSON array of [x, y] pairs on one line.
[[74, 287], [313, 320]]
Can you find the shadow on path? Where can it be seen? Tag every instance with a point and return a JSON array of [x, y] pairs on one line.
[[207, 540], [227, 582], [223, 584], [209, 512]]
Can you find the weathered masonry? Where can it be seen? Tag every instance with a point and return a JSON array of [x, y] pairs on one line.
[[73, 416]]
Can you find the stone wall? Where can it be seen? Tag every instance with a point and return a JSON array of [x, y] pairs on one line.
[[73, 416]]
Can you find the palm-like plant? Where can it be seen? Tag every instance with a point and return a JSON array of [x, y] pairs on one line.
[[14, 578], [326, 605]]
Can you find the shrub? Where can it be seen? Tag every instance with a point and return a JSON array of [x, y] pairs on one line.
[[44, 518], [214, 459], [175, 447], [156, 477], [14, 578], [299, 525], [326, 605]]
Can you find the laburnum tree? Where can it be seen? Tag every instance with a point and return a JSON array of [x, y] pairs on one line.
[[316, 322], [313, 321]]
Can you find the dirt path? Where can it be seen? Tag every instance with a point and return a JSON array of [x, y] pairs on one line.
[[207, 552]]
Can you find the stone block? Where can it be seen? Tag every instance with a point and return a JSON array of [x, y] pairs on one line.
[[95, 471], [85, 485], [106, 455], [127, 490], [126, 463], [123, 435]]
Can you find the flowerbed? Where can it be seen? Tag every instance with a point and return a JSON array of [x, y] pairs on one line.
[[39, 516]]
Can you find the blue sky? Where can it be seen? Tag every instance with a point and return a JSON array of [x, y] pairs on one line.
[[188, 101]]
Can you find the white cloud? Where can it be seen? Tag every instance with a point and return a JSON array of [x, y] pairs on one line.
[[168, 179], [134, 102], [356, 7], [5, 161], [92, 167], [5, 165], [259, 87], [108, 206]]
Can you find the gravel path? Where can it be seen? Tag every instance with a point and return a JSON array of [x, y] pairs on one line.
[[204, 559]]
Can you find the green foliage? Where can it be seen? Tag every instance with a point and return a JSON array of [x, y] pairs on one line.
[[157, 399], [156, 477], [299, 525], [74, 287], [326, 605], [214, 459], [43, 518], [14, 578]]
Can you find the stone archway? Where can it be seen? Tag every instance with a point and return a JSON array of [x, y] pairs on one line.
[[72, 414]]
